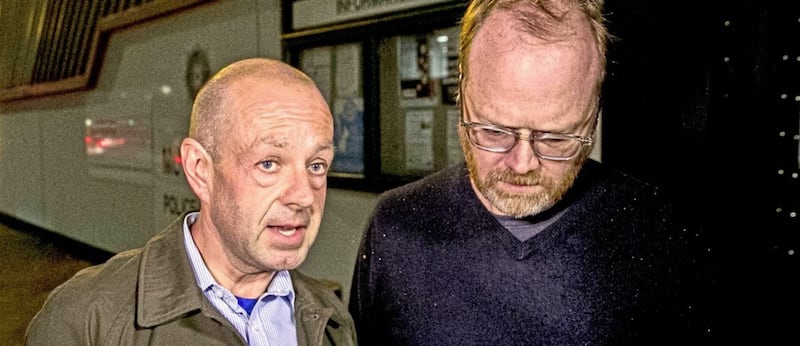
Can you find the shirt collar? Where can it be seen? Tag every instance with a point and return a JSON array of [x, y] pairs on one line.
[[281, 284]]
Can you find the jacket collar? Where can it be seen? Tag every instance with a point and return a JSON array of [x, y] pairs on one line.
[[167, 287], [168, 290], [312, 318]]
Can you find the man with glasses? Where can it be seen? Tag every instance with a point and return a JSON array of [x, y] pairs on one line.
[[529, 242]]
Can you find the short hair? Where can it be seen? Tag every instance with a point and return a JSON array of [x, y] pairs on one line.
[[540, 18], [211, 110]]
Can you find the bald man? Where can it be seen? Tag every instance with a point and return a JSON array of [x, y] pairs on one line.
[[259, 147]]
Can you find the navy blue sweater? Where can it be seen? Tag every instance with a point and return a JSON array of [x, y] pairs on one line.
[[436, 268]]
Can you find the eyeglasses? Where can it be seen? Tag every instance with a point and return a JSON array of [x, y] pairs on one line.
[[499, 139], [549, 146]]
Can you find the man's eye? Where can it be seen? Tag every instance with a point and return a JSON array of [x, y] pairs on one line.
[[554, 142], [495, 132], [268, 165], [318, 168]]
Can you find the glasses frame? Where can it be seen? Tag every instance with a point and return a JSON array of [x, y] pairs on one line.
[[533, 137]]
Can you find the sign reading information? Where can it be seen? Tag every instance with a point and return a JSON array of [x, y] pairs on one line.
[[311, 13]]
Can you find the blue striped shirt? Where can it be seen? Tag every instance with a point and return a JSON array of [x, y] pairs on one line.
[[272, 321]]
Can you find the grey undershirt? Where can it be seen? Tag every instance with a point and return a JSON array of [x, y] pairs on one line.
[[527, 227]]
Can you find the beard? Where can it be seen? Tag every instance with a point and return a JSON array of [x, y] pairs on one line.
[[519, 205]]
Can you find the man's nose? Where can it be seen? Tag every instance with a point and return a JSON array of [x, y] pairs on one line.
[[522, 158], [299, 191]]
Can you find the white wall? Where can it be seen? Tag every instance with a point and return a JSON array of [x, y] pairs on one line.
[[47, 179]]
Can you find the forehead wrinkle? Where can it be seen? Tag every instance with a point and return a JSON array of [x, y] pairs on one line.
[[245, 147], [282, 143], [272, 140]]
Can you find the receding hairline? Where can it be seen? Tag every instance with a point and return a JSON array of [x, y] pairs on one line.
[[547, 20]]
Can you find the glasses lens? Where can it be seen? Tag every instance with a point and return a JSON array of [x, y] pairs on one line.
[[556, 147], [492, 139]]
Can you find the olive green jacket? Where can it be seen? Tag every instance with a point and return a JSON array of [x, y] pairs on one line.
[[149, 296]]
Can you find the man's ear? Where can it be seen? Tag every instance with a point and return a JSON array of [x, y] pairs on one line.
[[198, 168]]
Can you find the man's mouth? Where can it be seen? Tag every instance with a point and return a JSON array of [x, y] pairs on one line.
[[287, 231]]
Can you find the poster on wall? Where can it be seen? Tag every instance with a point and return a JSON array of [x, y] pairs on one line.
[[419, 140], [348, 111], [348, 70], [348, 135], [316, 63]]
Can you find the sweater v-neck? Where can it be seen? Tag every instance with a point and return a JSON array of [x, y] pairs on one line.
[[519, 250]]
